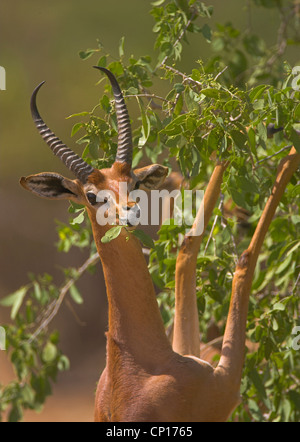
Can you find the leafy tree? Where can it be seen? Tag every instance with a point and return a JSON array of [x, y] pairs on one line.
[[222, 109]]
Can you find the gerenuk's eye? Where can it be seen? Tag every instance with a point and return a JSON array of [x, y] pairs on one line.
[[92, 198]]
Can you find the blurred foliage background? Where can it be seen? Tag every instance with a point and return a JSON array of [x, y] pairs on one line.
[[41, 41]]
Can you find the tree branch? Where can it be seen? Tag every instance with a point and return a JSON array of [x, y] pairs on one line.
[[184, 76], [193, 16], [54, 308], [282, 37], [271, 156]]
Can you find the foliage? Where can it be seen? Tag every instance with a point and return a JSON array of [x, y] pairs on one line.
[[36, 360], [221, 109]]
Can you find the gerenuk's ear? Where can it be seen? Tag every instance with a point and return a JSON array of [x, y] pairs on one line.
[[151, 177], [52, 186]]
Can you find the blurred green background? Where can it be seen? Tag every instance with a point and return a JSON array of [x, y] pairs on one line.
[[40, 40]]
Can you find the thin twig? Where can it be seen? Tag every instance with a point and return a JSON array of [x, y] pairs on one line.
[[236, 118], [220, 73], [151, 96], [214, 224], [56, 306], [184, 76], [282, 38], [296, 284], [74, 313], [210, 344], [274, 154], [179, 38]]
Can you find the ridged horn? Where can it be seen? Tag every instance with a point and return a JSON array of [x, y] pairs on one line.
[[73, 162], [124, 152]]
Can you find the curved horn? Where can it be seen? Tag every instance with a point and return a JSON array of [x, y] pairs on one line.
[[125, 147], [73, 162]]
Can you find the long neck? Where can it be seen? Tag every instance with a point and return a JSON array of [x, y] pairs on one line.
[[134, 318]]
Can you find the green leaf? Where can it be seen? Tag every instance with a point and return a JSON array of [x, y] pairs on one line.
[[179, 87], [111, 234], [257, 92], [240, 139], [286, 410], [259, 104], [102, 62], [144, 238], [262, 131], [297, 112], [132, 91], [158, 2], [295, 398], [49, 352], [207, 33], [15, 301], [75, 294], [189, 97], [284, 265], [174, 127], [79, 114], [146, 127], [84, 55], [79, 219], [41, 386], [211, 93], [252, 139], [28, 395], [257, 381], [196, 75], [279, 306], [121, 47], [37, 290], [63, 363], [183, 4], [295, 247], [246, 185], [237, 197], [16, 413], [137, 158], [226, 235], [275, 325], [255, 410], [179, 105], [295, 138], [117, 68], [76, 128]]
